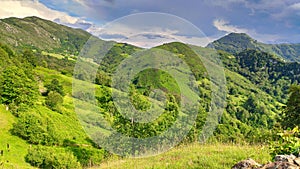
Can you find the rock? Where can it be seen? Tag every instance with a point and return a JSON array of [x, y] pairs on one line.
[[246, 164], [297, 161], [280, 165], [285, 158], [286, 165], [281, 162]]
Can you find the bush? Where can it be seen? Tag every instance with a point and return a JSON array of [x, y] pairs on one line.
[[89, 157], [17, 88], [55, 86], [35, 130], [291, 113], [287, 143], [54, 100], [49, 157]]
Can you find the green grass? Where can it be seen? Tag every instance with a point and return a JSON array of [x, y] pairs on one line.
[[210, 156], [14, 156], [58, 56], [67, 122]]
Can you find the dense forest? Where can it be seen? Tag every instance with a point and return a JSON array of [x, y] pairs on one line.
[[37, 99]]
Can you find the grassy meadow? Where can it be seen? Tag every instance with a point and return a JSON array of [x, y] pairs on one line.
[[202, 156]]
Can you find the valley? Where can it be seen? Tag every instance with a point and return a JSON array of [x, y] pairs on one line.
[[47, 123]]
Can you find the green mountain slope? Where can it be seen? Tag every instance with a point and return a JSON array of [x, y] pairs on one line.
[[36, 33], [237, 42], [265, 70], [256, 89], [246, 115]]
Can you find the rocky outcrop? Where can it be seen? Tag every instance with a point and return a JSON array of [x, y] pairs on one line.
[[246, 164], [281, 162]]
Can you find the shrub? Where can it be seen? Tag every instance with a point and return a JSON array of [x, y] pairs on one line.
[[89, 157], [54, 100], [55, 86], [291, 113], [17, 88], [35, 130], [287, 143], [49, 157]]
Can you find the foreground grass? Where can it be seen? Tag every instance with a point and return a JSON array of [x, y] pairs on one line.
[[211, 156], [13, 156]]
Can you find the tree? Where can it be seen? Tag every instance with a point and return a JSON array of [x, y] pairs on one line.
[[139, 101], [17, 88], [88, 156], [251, 103], [291, 113], [30, 127], [102, 79], [51, 157], [55, 86], [30, 58], [4, 59], [54, 100]]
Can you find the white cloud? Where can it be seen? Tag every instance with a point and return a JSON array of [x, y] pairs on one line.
[[81, 2], [144, 36], [135, 35], [290, 10], [90, 4], [95, 30], [295, 6], [223, 25], [27, 8]]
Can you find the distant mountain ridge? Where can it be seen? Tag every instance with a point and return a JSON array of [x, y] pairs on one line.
[[237, 42], [40, 34]]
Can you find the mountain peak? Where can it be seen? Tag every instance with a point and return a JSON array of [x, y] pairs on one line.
[[239, 34], [234, 43], [241, 37]]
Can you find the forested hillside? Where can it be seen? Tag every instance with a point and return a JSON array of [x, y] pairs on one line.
[[237, 42], [37, 111]]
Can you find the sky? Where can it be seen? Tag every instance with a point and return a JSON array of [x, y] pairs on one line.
[[276, 21]]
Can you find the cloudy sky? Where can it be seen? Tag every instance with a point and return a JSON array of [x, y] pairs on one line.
[[276, 21]]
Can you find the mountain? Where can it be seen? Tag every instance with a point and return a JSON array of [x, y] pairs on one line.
[[43, 127], [237, 42], [266, 71], [39, 34]]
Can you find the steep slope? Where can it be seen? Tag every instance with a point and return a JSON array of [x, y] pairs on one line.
[[265, 70], [256, 82], [37, 128], [37, 33], [249, 108], [237, 42], [13, 157]]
